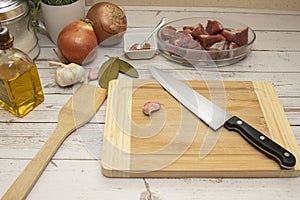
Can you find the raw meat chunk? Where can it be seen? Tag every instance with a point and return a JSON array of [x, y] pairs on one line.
[[215, 51], [213, 27], [167, 32], [213, 38], [199, 30], [236, 52], [185, 40], [240, 37], [218, 45], [207, 41], [188, 29], [233, 45]]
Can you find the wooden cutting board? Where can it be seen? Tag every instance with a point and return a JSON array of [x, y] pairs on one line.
[[174, 143]]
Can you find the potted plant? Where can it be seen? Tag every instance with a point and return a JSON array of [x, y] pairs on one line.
[[56, 14]]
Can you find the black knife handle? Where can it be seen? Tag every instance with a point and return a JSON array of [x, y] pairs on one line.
[[286, 159]]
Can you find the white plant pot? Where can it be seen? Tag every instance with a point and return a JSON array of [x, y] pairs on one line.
[[55, 18]]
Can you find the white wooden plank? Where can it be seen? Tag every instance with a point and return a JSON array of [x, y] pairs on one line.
[[23, 141], [81, 179], [226, 189], [252, 4], [257, 21], [72, 179], [257, 61], [286, 82], [75, 173], [84, 144], [207, 9], [296, 130], [48, 111], [265, 41], [277, 41]]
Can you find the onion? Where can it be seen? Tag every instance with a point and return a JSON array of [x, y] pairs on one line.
[[77, 42], [110, 22]]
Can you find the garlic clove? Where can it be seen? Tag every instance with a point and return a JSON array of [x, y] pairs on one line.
[[151, 107], [93, 74]]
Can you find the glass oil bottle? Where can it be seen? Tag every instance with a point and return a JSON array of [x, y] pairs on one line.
[[20, 86]]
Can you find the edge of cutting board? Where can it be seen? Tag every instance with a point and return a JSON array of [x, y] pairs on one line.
[[116, 146]]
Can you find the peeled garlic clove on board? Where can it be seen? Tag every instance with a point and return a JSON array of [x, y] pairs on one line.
[[150, 107]]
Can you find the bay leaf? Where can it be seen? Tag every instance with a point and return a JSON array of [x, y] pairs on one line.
[[127, 68], [108, 71]]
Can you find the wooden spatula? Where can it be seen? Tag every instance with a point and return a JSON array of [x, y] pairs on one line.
[[80, 108]]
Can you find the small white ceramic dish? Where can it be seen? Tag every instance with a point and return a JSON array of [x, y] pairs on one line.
[[131, 38]]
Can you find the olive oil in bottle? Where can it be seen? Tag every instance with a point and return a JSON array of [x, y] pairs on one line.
[[20, 86]]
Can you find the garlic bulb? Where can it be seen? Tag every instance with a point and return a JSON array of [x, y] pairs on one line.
[[69, 74]]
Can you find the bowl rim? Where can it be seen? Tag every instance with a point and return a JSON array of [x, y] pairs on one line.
[[165, 42]]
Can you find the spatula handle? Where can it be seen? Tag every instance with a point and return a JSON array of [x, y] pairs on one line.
[[72, 116], [26, 180]]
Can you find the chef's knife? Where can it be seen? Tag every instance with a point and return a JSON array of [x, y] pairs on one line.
[[215, 117]]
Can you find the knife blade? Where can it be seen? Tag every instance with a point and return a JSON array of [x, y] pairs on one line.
[[215, 117]]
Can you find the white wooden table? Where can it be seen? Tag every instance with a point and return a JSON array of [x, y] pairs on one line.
[[75, 172]]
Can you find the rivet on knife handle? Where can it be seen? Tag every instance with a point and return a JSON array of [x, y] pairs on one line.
[[286, 159]]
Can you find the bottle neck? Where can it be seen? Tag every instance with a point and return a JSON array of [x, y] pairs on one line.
[[6, 40]]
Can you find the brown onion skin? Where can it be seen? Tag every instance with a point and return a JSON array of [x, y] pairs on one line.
[[78, 43], [110, 22]]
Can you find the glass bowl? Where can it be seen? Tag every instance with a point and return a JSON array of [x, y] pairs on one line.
[[201, 56]]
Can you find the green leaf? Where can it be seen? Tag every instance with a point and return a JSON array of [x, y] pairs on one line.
[[108, 71], [127, 68]]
